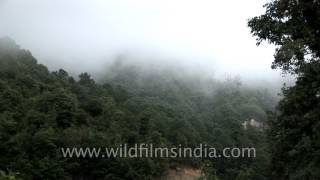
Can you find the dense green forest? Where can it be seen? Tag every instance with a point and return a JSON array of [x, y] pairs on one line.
[[42, 111]]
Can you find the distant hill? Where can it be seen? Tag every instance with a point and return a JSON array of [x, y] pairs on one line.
[[42, 111]]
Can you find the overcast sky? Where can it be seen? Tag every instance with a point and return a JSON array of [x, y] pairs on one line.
[[86, 33]]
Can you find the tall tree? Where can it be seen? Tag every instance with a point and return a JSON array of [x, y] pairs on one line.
[[294, 27]]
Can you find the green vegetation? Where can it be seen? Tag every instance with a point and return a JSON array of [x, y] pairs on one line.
[[42, 111], [294, 26]]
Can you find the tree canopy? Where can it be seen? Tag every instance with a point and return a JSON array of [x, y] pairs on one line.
[[294, 27]]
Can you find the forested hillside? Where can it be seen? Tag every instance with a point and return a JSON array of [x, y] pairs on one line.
[[42, 111]]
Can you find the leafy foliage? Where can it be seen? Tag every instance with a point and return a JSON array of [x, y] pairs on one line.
[[294, 27]]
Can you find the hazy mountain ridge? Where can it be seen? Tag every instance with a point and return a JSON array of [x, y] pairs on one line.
[[41, 111]]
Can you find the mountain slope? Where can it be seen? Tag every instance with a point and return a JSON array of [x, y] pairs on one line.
[[42, 112]]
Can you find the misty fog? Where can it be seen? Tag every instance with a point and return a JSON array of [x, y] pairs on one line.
[[189, 36]]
